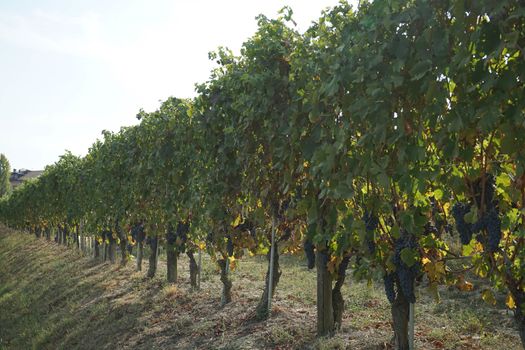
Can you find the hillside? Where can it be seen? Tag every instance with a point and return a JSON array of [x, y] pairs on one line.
[[53, 297]]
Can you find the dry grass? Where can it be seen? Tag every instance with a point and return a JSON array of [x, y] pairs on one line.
[[53, 297]]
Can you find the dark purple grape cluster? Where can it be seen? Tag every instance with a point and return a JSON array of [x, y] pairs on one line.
[[137, 232], [490, 221], [388, 280], [170, 235], [406, 275], [464, 228], [430, 228], [493, 226], [310, 253], [371, 223]]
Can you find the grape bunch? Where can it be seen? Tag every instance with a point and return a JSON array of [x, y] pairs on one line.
[[406, 275], [310, 254], [137, 232], [490, 221], [388, 280], [170, 235], [464, 228], [182, 234], [430, 228], [493, 226]]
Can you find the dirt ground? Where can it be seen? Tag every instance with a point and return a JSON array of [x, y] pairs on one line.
[[54, 297]]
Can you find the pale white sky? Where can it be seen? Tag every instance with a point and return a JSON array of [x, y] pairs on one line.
[[70, 69]]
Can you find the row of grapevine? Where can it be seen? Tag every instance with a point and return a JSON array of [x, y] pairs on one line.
[[363, 141]]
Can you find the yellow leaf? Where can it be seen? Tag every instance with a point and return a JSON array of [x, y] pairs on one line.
[[463, 285], [446, 208], [237, 221], [435, 271], [488, 297], [331, 264], [425, 260], [510, 302]]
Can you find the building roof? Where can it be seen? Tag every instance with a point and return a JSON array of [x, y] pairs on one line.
[[17, 177]]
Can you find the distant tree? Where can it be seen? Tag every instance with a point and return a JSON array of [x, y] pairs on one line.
[[5, 172]]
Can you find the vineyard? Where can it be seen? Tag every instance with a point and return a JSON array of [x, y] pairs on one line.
[[385, 143]]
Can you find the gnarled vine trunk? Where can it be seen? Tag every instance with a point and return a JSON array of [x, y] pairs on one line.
[[140, 254], [400, 316], [152, 269], [112, 250], [64, 235], [226, 281], [262, 311], [338, 303], [171, 255], [97, 249], [519, 316], [325, 313], [194, 270], [77, 236], [123, 244]]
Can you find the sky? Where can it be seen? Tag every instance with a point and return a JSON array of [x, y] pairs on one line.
[[70, 69]]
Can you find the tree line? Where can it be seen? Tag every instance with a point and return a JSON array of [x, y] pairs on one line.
[[372, 140]]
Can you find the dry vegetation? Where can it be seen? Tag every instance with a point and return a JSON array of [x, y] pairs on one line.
[[53, 297]]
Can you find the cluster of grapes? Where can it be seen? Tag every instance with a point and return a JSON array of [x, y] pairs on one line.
[[464, 228], [107, 234], [489, 221], [406, 275], [171, 238], [182, 234], [137, 232], [388, 280], [430, 228], [310, 253], [493, 226], [371, 223]]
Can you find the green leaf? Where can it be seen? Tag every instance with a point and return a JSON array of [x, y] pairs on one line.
[[409, 256], [420, 69]]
